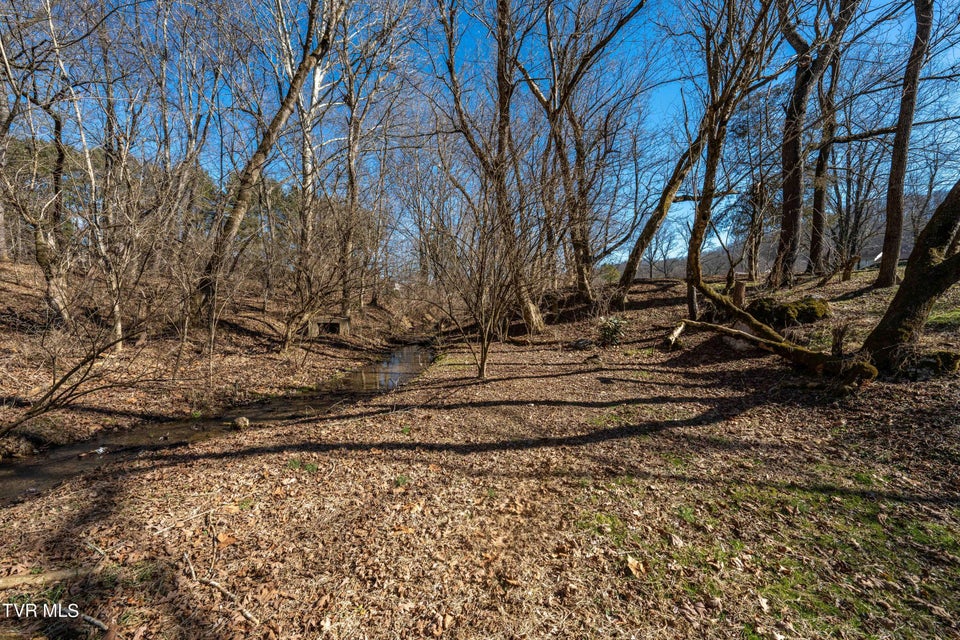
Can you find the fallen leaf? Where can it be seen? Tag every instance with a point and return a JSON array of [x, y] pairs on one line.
[[225, 539], [636, 567], [764, 604]]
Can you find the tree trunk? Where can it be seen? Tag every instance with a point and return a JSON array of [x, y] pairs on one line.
[[923, 9], [816, 265], [680, 170], [702, 216], [758, 207], [499, 166], [931, 270], [250, 175], [791, 160], [4, 252], [809, 70], [49, 263]]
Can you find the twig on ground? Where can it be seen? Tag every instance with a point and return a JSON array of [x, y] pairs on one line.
[[93, 622], [199, 515], [675, 334], [95, 548], [216, 585]]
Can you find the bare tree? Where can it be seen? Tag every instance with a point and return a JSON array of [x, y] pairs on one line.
[[576, 35], [813, 58], [490, 137], [735, 40], [463, 255], [923, 13], [314, 44]]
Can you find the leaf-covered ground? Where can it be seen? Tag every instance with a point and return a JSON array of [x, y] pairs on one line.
[[644, 494]]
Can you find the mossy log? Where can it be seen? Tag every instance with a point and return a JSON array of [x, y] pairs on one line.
[[779, 314], [849, 370]]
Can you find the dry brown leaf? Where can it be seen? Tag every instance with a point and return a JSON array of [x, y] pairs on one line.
[[225, 539], [635, 566], [764, 604]]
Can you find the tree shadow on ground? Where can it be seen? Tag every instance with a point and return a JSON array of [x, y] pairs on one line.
[[856, 293], [109, 572]]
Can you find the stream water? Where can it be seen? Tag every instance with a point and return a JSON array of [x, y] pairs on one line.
[[20, 478]]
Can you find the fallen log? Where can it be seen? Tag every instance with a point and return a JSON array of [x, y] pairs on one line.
[[39, 579], [675, 335], [851, 371]]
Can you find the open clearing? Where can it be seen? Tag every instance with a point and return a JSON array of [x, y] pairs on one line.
[[647, 493]]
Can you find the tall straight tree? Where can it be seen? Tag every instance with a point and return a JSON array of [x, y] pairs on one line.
[[828, 113], [812, 60], [923, 12]]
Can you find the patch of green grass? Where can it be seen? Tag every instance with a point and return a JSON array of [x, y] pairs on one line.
[[605, 524], [246, 504], [196, 414], [865, 479], [401, 481], [623, 481], [297, 463], [53, 593], [687, 514], [933, 534], [406, 430], [606, 420], [945, 320], [130, 618], [146, 571], [678, 462], [109, 576]]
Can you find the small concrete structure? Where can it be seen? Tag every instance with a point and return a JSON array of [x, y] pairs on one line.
[[335, 325]]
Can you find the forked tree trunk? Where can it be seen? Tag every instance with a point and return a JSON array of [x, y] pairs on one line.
[[934, 267], [811, 63], [680, 170]]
